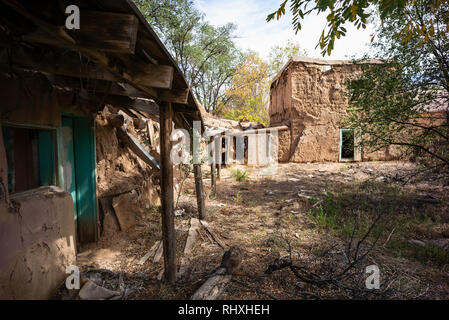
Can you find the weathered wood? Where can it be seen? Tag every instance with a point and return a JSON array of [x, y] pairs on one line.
[[168, 225], [116, 120], [153, 76], [202, 214], [103, 86], [213, 287], [150, 132], [218, 171], [117, 32], [213, 177], [138, 149], [141, 105], [190, 243], [175, 95], [120, 89], [151, 252], [213, 180], [159, 253], [214, 236], [96, 56]]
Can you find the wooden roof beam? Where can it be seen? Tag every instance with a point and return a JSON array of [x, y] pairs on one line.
[[116, 33], [140, 82]]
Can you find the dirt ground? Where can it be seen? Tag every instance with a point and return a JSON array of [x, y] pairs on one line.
[[301, 210]]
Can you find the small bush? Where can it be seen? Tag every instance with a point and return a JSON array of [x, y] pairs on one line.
[[239, 175]]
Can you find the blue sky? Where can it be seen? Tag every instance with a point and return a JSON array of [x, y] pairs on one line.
[[258, 35]]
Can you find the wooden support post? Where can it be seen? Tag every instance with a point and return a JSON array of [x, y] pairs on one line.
[[218, 171], [213, 177], [168, 226], [218, 155], [199, 192]]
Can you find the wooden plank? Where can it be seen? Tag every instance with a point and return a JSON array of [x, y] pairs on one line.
[[153, 76], [110, 87], [213, 177], [175, 95], [168, 227], [190, 243], [216, 238], [140, 151], [49, 62], [151, 252], [117, 32], [137, 104], [158, 254], [150, 132], [214, 286], [202, 214]]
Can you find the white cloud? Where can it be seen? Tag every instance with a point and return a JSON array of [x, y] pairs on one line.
[[258, 35]]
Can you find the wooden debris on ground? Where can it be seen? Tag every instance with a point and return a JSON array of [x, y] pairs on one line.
[[214, 236], [190, 243], [213, 287], [150, 253]]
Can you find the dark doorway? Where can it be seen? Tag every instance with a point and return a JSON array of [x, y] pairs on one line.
[[346, 144]]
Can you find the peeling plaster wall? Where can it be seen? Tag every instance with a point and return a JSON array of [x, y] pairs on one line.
[[313, 101], [37, 243]]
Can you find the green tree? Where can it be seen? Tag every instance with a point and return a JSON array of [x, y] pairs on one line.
[[247, 95], [390, 103], [207, 55], [355, 12], [280, 55]]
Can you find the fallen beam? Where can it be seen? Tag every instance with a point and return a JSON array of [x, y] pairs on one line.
[[213, 287], [150, 253], [214, 236], [119, 122]]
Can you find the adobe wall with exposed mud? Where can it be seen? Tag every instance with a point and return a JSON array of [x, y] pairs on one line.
[[309, 95], [126, 185]]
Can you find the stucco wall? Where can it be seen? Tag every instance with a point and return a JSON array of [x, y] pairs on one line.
[[314, 112], [37, 243]]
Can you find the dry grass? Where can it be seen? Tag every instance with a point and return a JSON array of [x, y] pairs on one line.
[[312, 206]]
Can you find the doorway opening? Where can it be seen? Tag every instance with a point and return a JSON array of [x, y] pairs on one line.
[[346, 144]]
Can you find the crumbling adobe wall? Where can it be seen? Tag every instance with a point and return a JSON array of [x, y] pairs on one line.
[[126, 185], [317, 106], [37, 243], [281, 100]]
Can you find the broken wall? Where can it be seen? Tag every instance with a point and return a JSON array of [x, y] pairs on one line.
[[314, 112], [37, 243], [126, 185]]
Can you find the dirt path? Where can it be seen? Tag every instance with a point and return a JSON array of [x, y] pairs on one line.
[[310, 205]]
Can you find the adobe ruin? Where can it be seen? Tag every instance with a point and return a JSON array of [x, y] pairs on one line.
[[309, 96]]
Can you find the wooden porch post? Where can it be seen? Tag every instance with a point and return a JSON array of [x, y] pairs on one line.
[[199, 192], [168, 225], [218, 155], [213, 177]]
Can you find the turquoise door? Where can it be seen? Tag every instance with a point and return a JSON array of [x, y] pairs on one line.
[[78, 161]]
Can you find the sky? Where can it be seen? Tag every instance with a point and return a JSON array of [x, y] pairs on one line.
[[258, 35]]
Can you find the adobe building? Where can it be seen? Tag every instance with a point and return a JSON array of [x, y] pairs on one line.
[[308, 95], [85, 121]]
